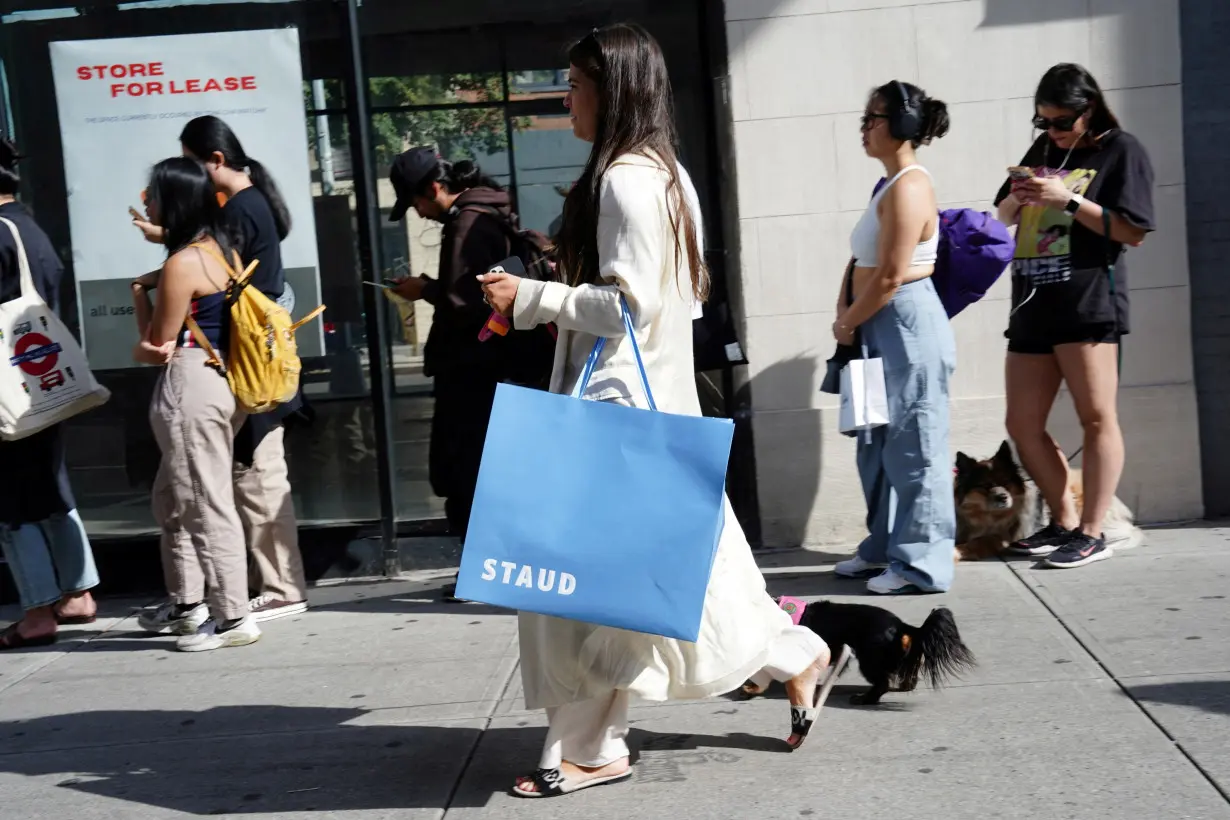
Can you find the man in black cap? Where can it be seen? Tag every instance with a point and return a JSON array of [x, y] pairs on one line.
[[465, 371]]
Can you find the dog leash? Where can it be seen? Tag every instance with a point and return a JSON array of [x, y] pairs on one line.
[[1114, 307]]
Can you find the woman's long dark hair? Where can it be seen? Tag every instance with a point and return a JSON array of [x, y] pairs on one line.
[[205, 136], [635, 115], [1071, 86], [10, 178], [184, 201], [457, 177]]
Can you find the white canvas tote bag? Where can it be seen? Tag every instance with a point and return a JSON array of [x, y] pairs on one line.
[[864, 397], [44, 376]]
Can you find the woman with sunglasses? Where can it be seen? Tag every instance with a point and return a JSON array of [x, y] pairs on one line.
[[889, 305], [1083, 191]]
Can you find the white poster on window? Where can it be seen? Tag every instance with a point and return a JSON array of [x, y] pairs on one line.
[[122, 105]]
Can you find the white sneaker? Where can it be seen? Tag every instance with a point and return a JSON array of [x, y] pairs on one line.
[[856, 567], [163, 620], [208, 637], [890, 583]]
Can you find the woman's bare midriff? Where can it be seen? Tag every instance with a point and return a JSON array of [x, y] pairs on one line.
[[863, 275]]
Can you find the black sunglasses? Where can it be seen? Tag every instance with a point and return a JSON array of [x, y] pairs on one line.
[[868, 120], [1058, 123]]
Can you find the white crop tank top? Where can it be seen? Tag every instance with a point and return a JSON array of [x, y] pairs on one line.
[[865, 239]]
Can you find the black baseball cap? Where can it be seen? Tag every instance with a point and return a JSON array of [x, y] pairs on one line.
[[409, 171]]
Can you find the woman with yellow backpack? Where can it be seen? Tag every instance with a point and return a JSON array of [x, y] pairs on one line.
[[257, 220], [194, 413]]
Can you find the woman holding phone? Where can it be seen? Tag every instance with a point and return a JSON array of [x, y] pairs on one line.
[[193, 414], [257, 221], [631, 231], [1083, 192]]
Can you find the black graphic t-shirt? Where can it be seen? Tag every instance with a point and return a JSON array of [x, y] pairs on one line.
[[1060, 270]]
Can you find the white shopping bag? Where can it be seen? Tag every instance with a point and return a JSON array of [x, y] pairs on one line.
[[864, 398], [44, 377]]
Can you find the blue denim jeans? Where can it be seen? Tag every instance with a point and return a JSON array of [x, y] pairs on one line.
[[49, 559], [904, 466]]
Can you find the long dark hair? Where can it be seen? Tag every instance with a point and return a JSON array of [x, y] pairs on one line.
[[1070, 86], [10, 178], [205, 136], [457, 177], [183, 199], [635, 115]]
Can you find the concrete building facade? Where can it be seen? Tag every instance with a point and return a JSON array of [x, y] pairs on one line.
[[799, 72]]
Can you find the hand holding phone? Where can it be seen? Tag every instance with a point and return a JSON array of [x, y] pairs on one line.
[[498, 325], [1020, 172]]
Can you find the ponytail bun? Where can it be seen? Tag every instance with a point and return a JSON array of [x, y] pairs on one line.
[[934, 121]]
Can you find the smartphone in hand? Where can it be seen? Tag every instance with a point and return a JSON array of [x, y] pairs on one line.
[[135, 214], [1020, 172]]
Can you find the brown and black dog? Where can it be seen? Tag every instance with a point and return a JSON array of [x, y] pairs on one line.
[[998, 504]]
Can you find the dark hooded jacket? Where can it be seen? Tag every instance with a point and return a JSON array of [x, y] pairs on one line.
[[473, 241]]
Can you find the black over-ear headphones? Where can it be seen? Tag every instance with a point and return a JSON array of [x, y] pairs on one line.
[[905, 120]]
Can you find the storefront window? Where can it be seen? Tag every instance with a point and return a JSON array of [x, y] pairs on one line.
[[475, 80]]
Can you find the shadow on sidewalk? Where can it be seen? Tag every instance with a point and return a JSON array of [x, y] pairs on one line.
[[1208, 696], [276, 759]]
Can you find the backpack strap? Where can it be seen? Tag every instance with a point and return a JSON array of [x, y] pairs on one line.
[[198, 335], [319, 310]]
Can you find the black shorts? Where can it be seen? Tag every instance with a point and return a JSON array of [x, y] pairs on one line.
[[1095, 333]]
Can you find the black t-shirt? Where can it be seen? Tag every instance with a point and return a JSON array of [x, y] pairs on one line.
[[255, 232], [1060, 270]]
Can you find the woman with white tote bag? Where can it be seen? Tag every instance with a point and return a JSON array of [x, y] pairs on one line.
[[43, 540]]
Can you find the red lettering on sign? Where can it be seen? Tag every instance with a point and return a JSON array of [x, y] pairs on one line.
[[249, 83], [193, 86], [154, 88]]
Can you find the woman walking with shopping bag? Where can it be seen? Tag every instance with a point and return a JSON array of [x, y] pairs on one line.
[[630, 251], [889, 305]]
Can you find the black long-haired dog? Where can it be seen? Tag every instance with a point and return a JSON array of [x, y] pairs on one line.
[[891, 654]]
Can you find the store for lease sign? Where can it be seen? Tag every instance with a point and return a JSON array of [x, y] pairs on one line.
[[149, 79], [122, 104]]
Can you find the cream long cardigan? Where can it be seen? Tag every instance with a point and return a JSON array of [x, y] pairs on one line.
[[565, 661]]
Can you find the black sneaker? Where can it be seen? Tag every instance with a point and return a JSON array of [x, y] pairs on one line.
[[1080, 549], [1042, 542]]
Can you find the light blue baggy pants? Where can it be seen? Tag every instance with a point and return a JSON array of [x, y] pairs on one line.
[[49, 559], [905, 466]]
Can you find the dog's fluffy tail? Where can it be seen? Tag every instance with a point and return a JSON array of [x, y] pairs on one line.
[[936, 650]]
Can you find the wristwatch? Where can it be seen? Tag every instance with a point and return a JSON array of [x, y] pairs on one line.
[[1074, 204]]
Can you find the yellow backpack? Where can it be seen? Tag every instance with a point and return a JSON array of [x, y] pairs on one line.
[[263, 367]]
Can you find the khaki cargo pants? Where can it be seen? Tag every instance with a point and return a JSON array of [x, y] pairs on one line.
[[194, 419]]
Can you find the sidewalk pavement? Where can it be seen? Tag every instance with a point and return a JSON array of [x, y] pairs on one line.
[[1102, 692]]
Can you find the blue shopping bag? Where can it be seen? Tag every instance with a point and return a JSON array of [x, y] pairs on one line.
[[597, 512]]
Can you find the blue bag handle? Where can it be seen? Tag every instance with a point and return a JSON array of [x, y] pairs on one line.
[[594, 354]]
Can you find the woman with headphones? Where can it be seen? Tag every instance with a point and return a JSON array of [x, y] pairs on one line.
[[889, 306]]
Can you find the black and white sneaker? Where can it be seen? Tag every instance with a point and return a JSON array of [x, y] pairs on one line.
[[1079, 550], [1043, 542]]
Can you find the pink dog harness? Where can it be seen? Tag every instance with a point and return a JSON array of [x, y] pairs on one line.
[[793, 606]]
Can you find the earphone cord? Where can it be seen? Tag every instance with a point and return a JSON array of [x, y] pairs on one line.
[[1114, 306]]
